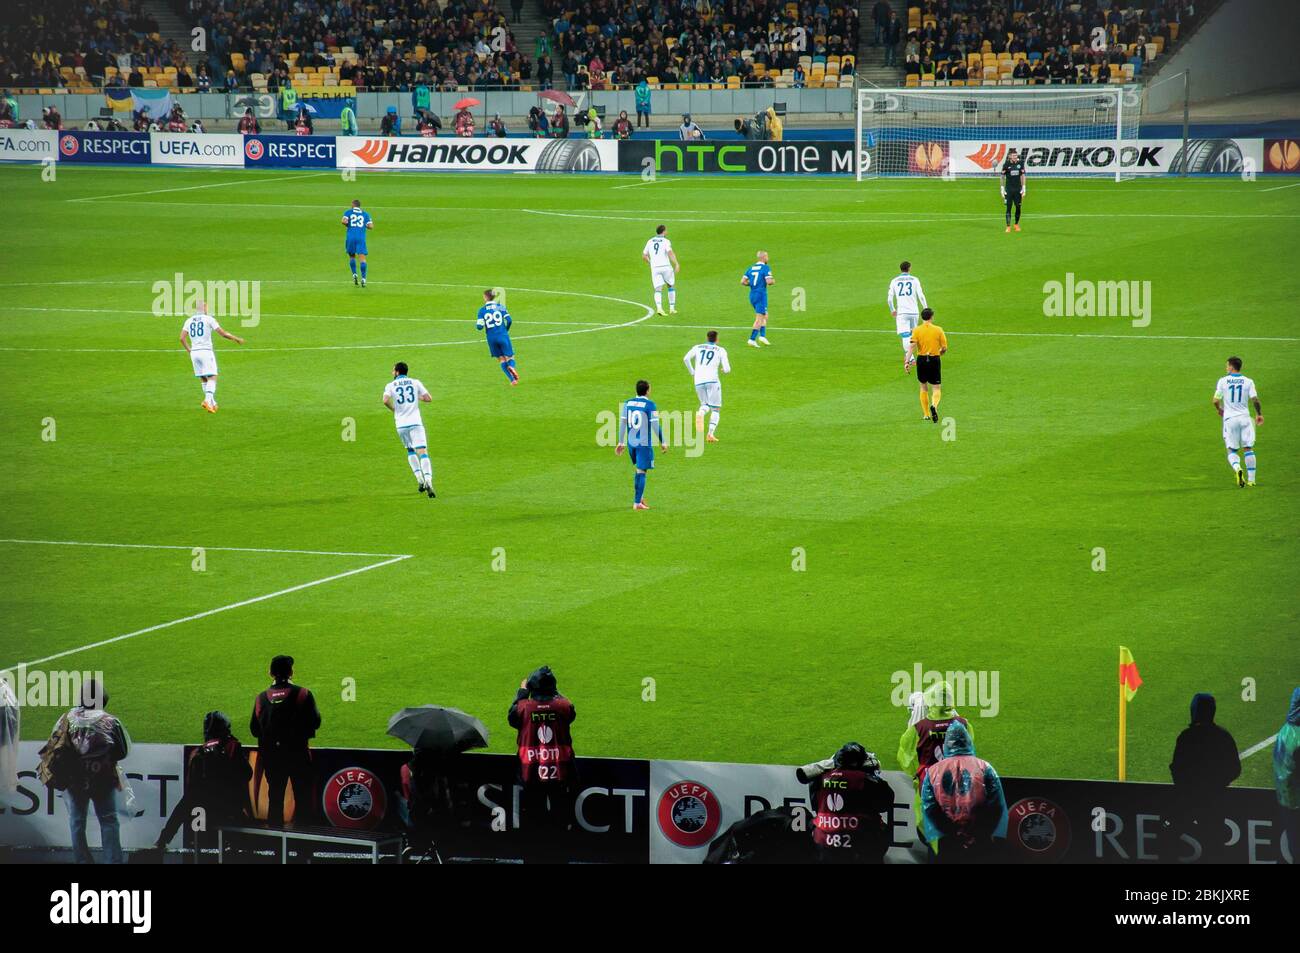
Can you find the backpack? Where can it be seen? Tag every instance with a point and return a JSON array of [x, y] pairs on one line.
[[60, 766]]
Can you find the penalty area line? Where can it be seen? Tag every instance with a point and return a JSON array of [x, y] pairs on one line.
[[1255, 749], [211, 612]]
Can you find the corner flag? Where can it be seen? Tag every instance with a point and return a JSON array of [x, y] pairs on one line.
[[1129, 682]]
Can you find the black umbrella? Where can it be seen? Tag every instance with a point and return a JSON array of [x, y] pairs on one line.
[[435, 728]]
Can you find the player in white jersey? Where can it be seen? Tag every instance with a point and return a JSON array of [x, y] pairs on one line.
[[196, 337], [906, 301], [1233, 396], [659, 253], [403, 396], [704, 361]]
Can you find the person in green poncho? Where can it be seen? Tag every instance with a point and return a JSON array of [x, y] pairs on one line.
[[348, 118], [288, 103], [593, 124], [922, 742], [420, 99]]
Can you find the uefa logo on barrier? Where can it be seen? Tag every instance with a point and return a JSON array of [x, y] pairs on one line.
[[1038, 830], [69, 145], [689, 814], [254, 149], [355, 799]]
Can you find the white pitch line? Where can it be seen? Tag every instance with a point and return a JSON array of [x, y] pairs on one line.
[[213, 549], [211, 612], [335, 317], [193, 188], [985, 334], [1279, 188], [1253, 749]]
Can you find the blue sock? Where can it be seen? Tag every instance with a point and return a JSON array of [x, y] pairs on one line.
[[753, 335], [352, 263], [762, 332], [363, 269], [505, 369], [639, 483]]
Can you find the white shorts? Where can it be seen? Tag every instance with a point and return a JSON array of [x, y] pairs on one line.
[[710, 394], [205, 363], [1238, 432], [906, 323], [413, 436], [662, 276]]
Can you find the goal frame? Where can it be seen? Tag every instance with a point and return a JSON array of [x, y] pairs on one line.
[[1126, 101]]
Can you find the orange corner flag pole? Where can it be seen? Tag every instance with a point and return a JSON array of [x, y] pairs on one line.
[[1129, 682]]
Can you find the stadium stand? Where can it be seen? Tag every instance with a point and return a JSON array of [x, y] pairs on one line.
[[77, 45], [1035, 42], [701, 44], [259, 44]]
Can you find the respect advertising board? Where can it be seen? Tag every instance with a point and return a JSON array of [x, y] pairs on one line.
[[263, 151], [130, 148]]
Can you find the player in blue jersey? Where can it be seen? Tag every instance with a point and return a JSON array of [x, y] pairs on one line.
[[357, 222], [495, 320], [638, 428], [757, 277]]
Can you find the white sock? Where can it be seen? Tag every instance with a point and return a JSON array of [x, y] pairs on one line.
[[672, 297], [426, 466], [1234, 460], [713, 421], [659, 301], [1250, 465], [210, 390], [414, 463], [907, 346]]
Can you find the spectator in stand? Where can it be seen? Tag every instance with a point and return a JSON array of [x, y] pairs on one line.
[[800, 78], [284, 721], [542, 718], [545, 72], [1286, 775], [1020, 70], [1205, 763], [516, 11], [203, 80], [216, 781], [912, 67], [848, 795], [893, 36], [963, 808], [880, 17], [248, 124], [1103, 72], [99, 742]]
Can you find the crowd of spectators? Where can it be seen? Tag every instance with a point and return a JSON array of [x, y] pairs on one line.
[[606, 43], [45, 43], [466, 43], [1048, 41]]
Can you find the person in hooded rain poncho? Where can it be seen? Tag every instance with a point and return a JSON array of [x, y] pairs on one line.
[[963, 808], [1286, 752], [1205, 762]]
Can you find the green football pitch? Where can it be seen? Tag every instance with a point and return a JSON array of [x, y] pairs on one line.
[[783, 576]]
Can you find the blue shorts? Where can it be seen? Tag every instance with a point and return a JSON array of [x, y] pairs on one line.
[[643, 458], [356, 246], [759, 302], [500, 346]]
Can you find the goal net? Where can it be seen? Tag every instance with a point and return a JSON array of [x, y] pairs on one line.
[[960, 131]]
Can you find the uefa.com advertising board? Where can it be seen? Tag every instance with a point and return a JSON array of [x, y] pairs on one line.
[[939, 157], [634, 811]]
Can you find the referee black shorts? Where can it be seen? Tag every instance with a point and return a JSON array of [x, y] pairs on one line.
[[927, 369]]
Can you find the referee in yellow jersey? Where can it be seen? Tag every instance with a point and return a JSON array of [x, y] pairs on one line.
[[929, 344]]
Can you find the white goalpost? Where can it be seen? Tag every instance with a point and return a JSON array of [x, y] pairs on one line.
[[959, 131]]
